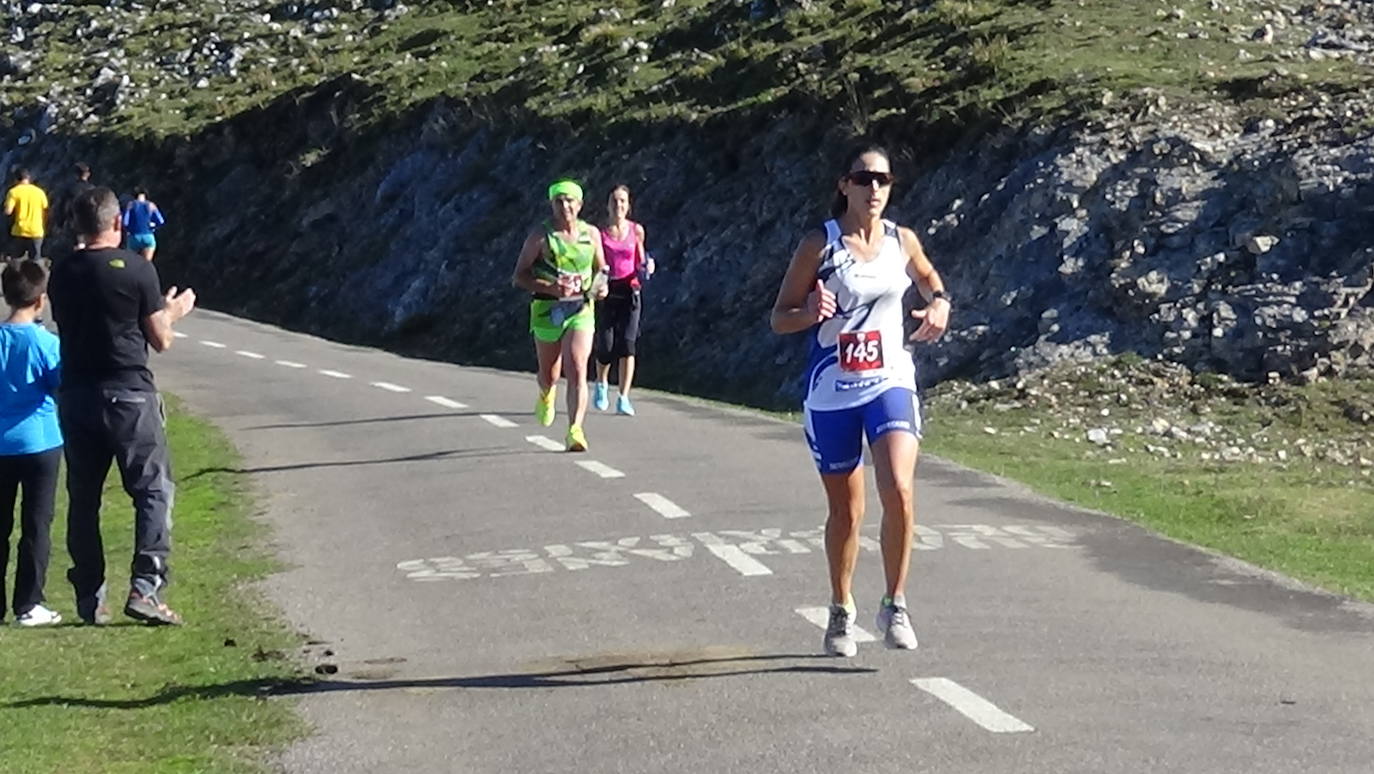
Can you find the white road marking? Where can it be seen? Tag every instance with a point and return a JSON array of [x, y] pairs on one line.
[[740, 548], [290, 364], [600, 469], [213, 344], [249, 355], [665, 507], [445, 402], [971, 705], [498, 420], [179, 334], [743, 563], [335, 374], [820, 616], [389, 387], [544, 442]]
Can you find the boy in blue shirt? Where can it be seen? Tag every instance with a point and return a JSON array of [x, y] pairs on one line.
[[30, 439]]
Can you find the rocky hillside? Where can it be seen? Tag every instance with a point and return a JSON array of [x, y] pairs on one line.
[[1188, 180]]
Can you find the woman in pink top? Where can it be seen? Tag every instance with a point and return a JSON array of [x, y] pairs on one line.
[[617, 317]]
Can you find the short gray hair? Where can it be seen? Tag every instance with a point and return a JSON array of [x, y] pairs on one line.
[[95, 210]]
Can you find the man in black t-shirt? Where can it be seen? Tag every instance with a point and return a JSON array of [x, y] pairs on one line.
[[109, 309]]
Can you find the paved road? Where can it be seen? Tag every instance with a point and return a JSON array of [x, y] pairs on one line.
[[497, 606]]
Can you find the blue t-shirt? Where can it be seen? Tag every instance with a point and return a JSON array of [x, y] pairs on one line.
[[30, 372], [142, 217]]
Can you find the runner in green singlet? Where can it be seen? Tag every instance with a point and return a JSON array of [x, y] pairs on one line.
[[562, 266]]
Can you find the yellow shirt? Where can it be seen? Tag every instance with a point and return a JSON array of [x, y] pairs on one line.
[[27, 204]]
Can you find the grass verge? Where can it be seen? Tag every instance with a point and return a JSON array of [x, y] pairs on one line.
[[1281, 476], [128, 698]]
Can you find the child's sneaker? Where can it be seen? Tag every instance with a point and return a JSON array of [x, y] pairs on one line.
[[38, 615]]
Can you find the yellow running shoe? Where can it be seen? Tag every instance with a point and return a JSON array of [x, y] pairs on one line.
[[577, 440], [543, 407]]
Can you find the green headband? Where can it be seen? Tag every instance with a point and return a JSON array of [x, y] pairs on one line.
[[565, 188]]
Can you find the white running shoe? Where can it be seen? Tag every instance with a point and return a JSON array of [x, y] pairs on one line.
[[895, 624], [38, 615], [839, 634]]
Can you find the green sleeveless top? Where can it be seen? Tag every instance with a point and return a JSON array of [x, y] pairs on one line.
[[563, 257]]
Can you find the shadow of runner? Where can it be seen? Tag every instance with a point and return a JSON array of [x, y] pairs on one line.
[[489, 451], [606, 674]]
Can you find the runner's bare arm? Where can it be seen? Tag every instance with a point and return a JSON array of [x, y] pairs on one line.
[[935, 316], [802, 300], [598, 251], [642, 257], [598, 263], [523, 277]]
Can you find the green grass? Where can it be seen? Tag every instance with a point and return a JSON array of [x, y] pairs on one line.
[[949, 63], [1309, 517], [129, 698]]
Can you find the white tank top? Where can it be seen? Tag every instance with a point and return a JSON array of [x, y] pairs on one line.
[[861, 352]]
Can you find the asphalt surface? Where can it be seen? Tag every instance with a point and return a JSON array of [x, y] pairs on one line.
[[495, 606]]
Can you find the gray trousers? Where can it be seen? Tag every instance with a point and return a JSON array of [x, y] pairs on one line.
[[126, 427]]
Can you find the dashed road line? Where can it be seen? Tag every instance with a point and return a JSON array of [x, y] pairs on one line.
[[820, 616], [249, 355], [179, 334], [445, 402], [335, 374], [741, 562], [544, 442], [498, 420], [972, 706], [213, 344], [665, 507], [600, 469], [389, 387], [290, 364]]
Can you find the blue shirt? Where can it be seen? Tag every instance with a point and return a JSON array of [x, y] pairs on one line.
[[142, 217], [30, 372]]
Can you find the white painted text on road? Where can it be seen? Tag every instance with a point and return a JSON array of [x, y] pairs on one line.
[[740, 549]]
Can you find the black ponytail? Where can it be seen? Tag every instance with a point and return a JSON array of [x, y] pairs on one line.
[[840, 204]]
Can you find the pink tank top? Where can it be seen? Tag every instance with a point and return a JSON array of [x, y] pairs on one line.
[[622, 254]]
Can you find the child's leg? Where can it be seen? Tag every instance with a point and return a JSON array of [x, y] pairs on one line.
[[35, 542], [9, 482]]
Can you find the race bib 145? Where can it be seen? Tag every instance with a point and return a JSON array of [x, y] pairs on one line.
[[861, 350]]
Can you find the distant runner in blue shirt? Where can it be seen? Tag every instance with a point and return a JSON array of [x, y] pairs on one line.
[[141, 219], [30, 440]]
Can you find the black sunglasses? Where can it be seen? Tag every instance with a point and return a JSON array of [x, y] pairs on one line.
[[865, 178]]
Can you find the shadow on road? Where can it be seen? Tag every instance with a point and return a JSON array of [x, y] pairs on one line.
[[606, 674], [368, 421], [490, 451]]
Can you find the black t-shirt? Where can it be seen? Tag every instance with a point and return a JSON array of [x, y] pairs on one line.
[[99, 300], [67, 214]]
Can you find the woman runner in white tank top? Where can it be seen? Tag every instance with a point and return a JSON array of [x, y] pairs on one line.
[[847, 282]]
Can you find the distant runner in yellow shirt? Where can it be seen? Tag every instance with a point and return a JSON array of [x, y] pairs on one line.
[[27, 207]]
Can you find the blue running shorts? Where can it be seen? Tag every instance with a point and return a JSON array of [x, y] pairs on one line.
[[836, 437]]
